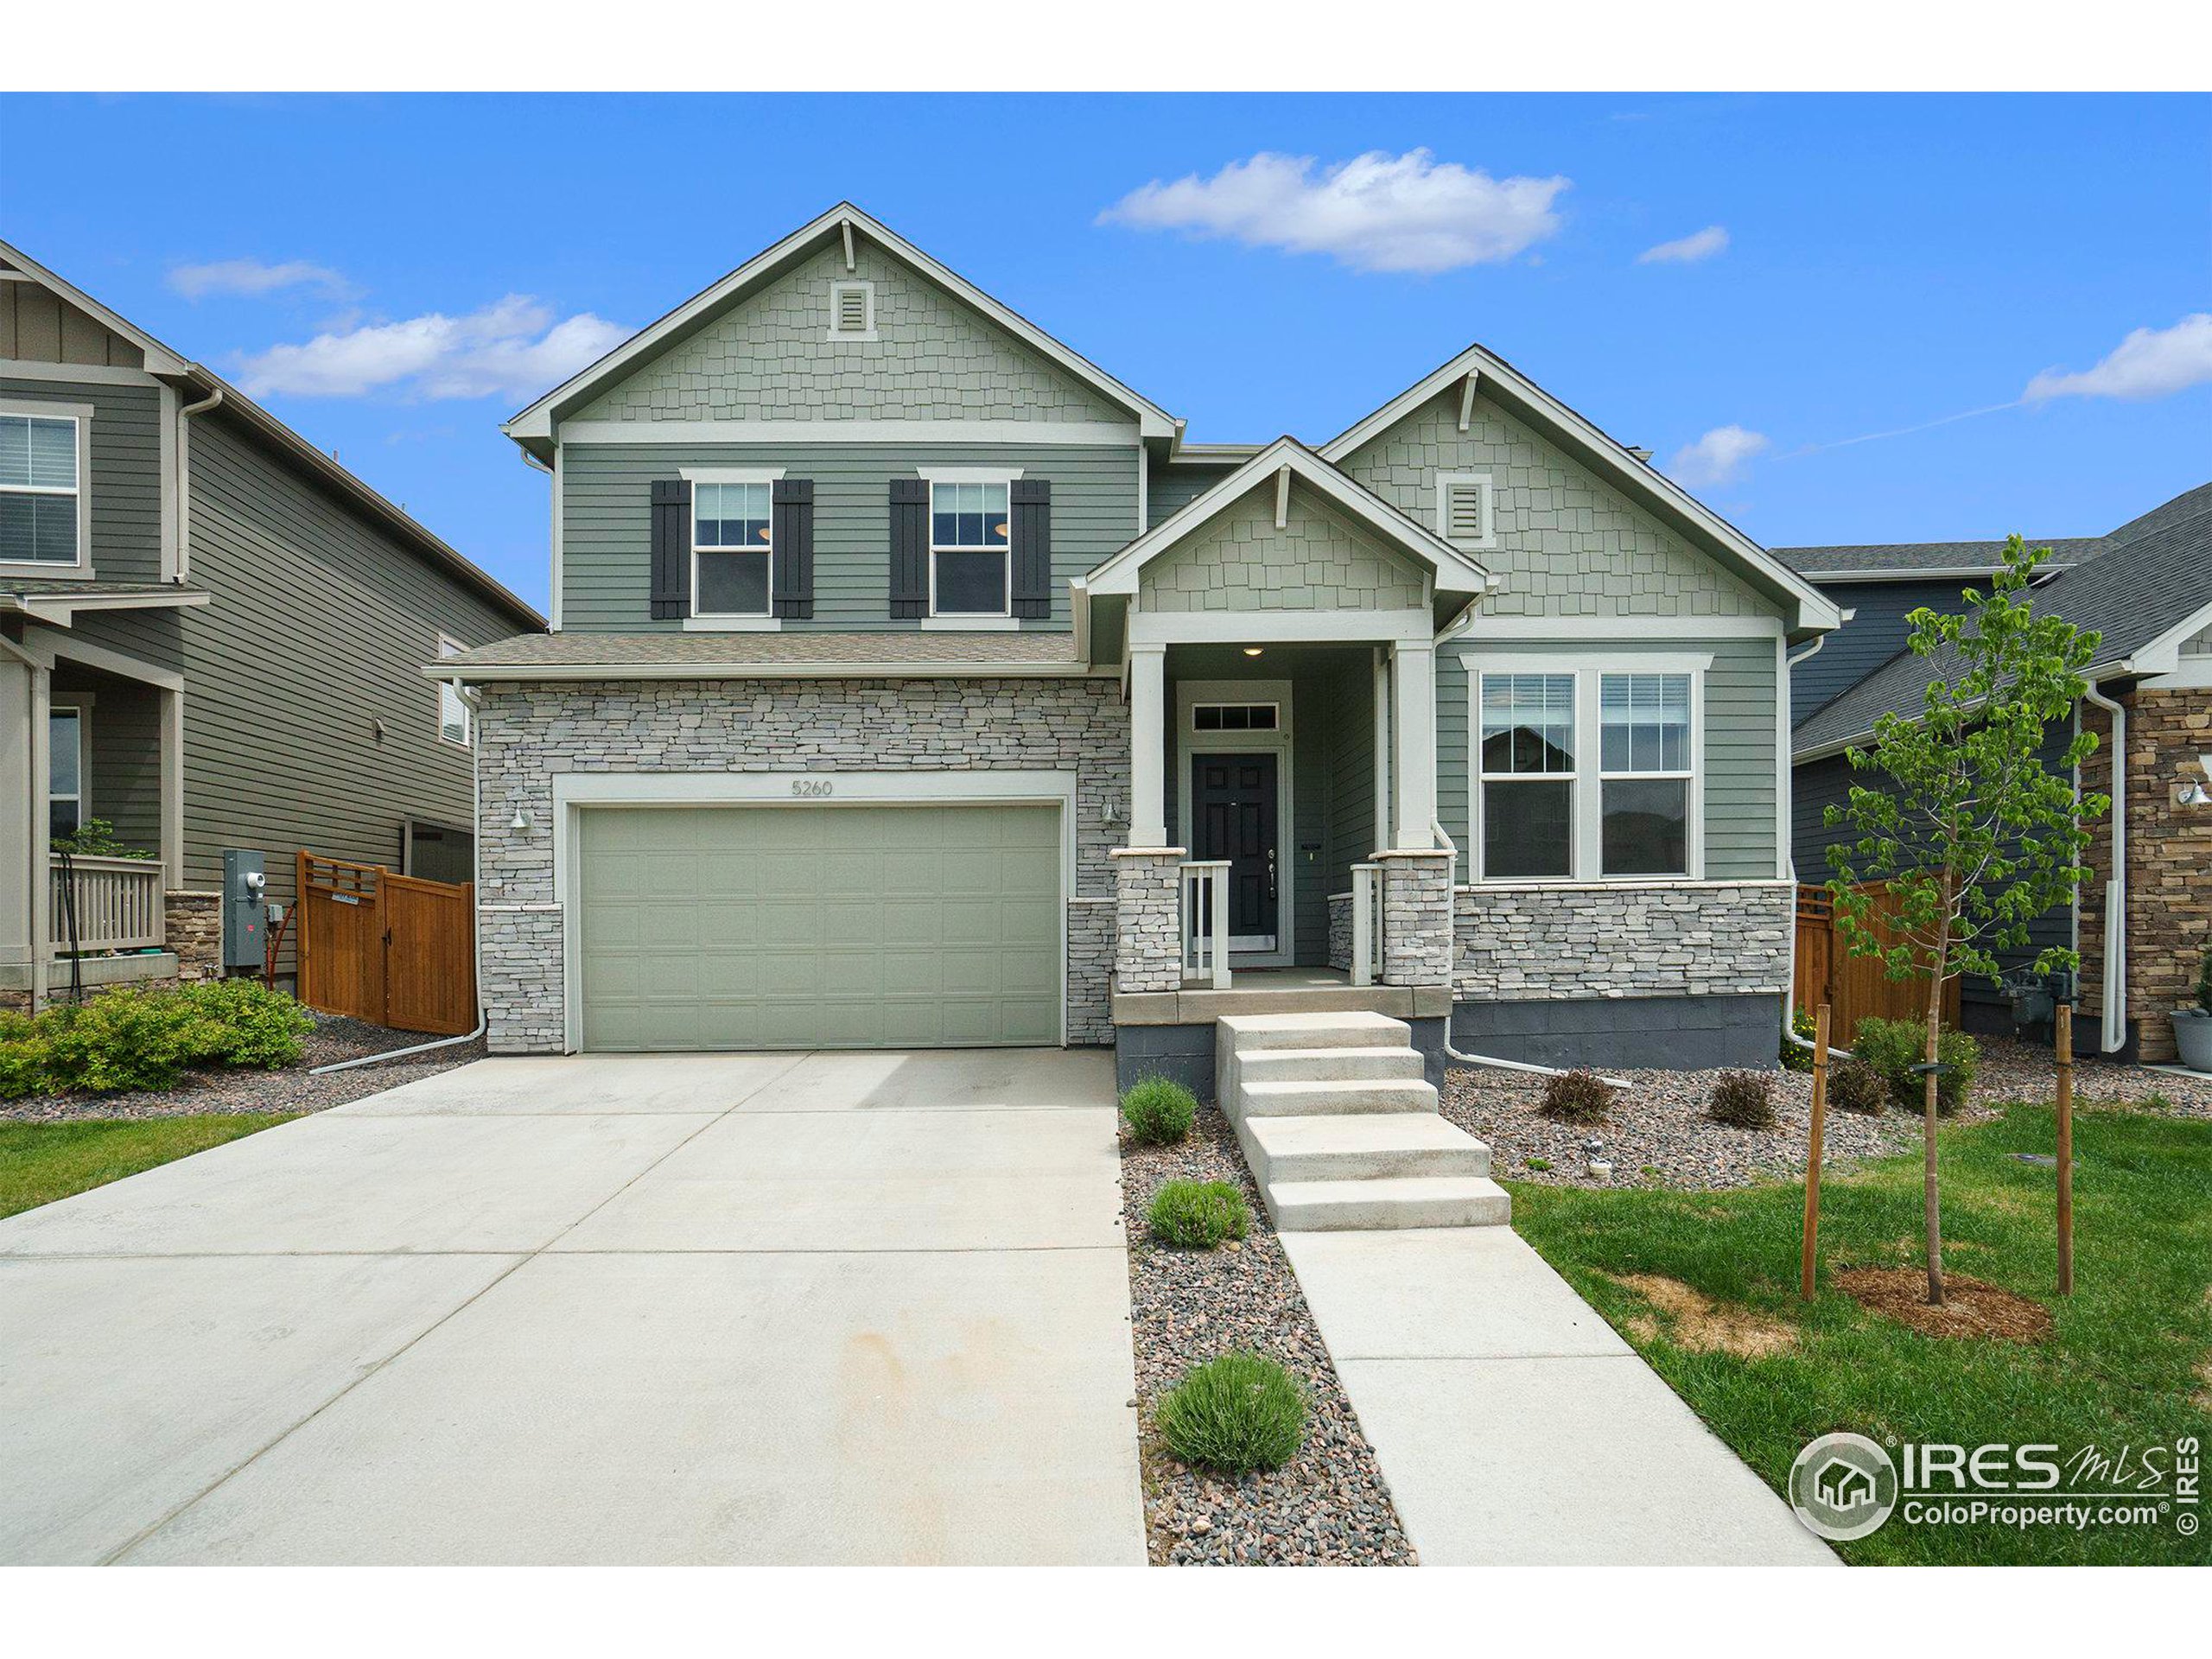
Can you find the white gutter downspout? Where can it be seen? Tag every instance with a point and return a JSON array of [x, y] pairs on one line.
[[213, 400], [1789, 816], [475, 918], [2114, 1034]]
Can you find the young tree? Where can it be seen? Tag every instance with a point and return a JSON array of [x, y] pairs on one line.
[[1974, 837]]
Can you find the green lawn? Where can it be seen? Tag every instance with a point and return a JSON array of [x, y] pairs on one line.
[[2121, 1367], [40, 1162]]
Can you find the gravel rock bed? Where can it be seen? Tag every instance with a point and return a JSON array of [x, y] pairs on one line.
[[290, 1089], [2012, 1071], [1329, 1505]]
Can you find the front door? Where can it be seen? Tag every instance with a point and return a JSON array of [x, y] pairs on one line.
[[1233, 812]]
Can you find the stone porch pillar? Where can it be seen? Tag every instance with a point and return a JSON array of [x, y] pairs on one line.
[[1147, 918], [1417, 901], [1413, 726]]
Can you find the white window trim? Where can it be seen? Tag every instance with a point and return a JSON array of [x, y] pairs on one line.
[[1445, 481], [1004, 616], [733, 621], [80, 704], [838, 289], [80, 415], [449, 646], [1586, 864]]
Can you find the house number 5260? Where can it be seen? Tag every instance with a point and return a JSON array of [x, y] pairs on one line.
[[814, 786]]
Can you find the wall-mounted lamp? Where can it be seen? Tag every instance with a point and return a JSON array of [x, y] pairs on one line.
[[2193, 795], [1251, 651], [520, 821]]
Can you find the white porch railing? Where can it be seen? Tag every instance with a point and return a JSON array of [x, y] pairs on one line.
[[1366, 923], [118, 902], [1205, 923]]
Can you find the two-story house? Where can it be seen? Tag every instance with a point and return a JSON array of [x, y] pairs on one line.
[[912, 681], [209, 634]]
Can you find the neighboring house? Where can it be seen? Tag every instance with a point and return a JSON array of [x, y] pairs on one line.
[[910, 674], [210, 639], [2147, 590]]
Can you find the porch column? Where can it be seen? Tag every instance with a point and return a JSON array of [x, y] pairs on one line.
[[21, 811], [1413, 721], [172, 707], [1147, 734]]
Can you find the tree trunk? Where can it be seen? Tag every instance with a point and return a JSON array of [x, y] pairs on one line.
[[1930, 1201]]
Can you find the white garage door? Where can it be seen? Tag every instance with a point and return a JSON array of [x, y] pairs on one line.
[[819, 926]]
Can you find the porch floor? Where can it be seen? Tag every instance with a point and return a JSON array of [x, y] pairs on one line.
[[1280, 990]]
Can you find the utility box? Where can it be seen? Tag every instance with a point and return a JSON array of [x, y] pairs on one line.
[[245, 917]]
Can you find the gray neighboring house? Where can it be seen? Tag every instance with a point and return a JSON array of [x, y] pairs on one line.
[[912, 681], [2146, 588], [210, 637]]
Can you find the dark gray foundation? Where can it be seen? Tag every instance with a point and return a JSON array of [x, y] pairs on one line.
[[1675, 1033], [1185, 1053]]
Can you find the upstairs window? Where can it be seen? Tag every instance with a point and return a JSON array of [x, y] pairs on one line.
[[39, 499], [1527, 775], [732, 540], [453, 707], [970, 549]]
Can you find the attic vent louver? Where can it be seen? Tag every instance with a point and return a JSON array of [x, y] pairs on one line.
[[1466, 520], [852, 310]]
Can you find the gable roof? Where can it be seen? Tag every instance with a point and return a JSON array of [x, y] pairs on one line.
[[1454, 571], [1813, 611], [1925, 560], [2147, 592], [533, 427], [195, 382]]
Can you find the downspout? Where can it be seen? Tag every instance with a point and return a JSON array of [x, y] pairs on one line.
[[2114, 1034], [475, 918], [213, 400], [1788, 785]]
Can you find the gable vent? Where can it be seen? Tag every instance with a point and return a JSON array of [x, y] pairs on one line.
[[852, 310], [1465, 515]]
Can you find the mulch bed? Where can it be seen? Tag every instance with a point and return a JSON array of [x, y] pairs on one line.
[[1971, 1307], [290, 1089], [1329, 1504]]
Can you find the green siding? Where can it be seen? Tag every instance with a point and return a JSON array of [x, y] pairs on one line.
[[126, 468], [1738, 740], [606, 551], [1319, 560], [123, 724]]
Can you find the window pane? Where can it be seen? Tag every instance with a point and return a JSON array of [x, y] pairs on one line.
[[41, 527], [968, 515], [1646, 829], [1206, 717], [62, 818], [731, 515], [1645, 723], [54, 454], [971, 583], [65, 729], [1526, 829], [14, 450], [1528, 722], [732, 584]]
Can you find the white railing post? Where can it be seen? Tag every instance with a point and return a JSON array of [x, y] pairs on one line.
[[1205, 894], [117, 904], [1366, 917]]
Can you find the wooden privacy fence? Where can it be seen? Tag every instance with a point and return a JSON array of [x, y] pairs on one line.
[[392, 950], [1854, 987]]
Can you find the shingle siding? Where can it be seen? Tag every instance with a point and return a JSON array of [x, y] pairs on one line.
[[1318, 561], [606, 552], [770, 359]]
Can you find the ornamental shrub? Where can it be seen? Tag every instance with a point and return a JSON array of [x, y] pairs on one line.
[[1893, 1047], [1160, 1111], [1199, 1215], [1577, 1097], [1795, 1058], [1743, 1100], [132, 1039], [1855, 1086], [1236, 1414]]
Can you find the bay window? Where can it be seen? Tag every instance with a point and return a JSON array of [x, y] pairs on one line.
[[1584, 773]]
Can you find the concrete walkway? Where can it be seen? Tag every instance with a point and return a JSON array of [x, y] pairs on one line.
[[1514, 1426], [739, 1308]]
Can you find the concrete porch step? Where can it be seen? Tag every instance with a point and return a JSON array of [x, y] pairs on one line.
[[1328, 1064], [1362, 1147], [1334, 1097], [1424, 1201], [1246, 1033]]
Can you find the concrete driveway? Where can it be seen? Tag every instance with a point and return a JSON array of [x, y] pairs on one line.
[[742, 1308]]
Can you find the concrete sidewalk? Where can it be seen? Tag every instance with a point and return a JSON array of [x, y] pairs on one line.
[[762, 1309], [1514, 1426]]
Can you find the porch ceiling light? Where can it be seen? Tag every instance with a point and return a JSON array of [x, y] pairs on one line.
[[1251, 651]]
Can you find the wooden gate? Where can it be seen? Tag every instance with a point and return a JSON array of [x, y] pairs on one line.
[[1854, 987], [392, 950]]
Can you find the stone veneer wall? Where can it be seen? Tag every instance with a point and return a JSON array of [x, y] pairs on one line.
[[1672, 940], [1148, 918], [2169, 861], [1417, 918], [527, 734], [1340, 931], [192, 929]]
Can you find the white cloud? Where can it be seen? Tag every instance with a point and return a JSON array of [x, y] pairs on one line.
[[1717, 457], [1375, 213], [513, 349], [2149, 363], [252, 278], [1688, 250]]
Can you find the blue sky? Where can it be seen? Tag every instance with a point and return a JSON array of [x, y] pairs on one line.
[[395, 275]]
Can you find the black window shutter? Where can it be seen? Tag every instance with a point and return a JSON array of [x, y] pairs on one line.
[[671, 534], [792, 536], [1032, 504], [910, 547]]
